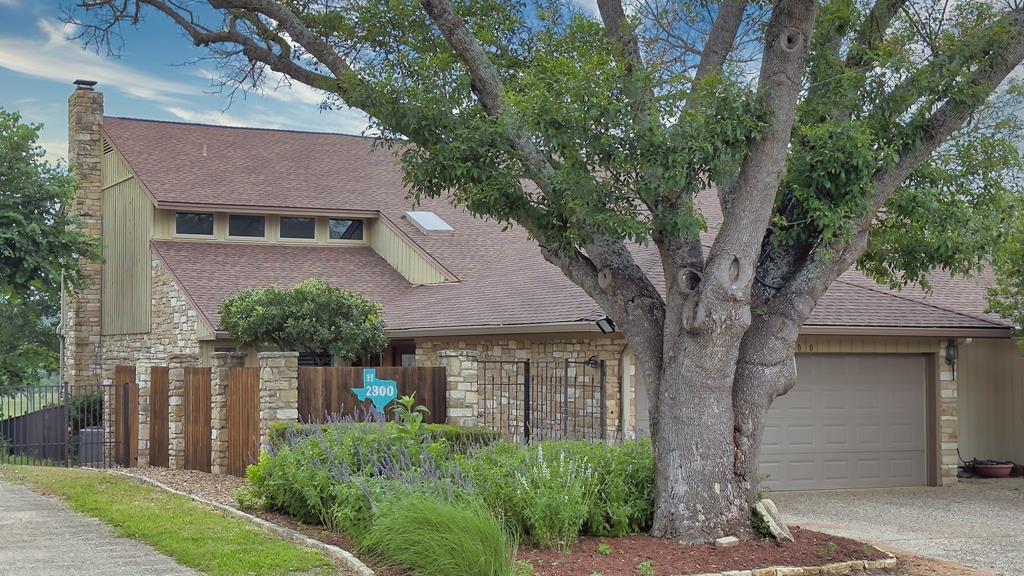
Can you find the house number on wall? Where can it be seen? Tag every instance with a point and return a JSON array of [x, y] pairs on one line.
[[380, 392]]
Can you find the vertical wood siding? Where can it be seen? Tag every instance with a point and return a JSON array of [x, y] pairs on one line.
[[990, 391], [127, 283], [401, 256], [159, 437], [198, 422], [243, 419]]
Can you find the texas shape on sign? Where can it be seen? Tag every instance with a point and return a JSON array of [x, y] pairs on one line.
[[380, 392]]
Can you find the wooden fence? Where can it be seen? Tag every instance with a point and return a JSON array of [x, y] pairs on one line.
[[159, 436], [325, 393], [243, 412], [124, 381], [198, 425]]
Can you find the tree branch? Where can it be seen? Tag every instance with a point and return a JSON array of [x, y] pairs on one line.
[[732, 259]]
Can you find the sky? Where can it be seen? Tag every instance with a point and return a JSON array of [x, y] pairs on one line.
[[155, 76]]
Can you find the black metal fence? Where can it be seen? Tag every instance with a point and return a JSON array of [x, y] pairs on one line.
[[547, 400], [56, 425]]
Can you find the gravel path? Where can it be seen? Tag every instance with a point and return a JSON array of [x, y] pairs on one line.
[[976, 523], [43, 538], [215, 488]]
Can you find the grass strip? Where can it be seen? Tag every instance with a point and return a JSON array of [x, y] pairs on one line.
[[191, 534]]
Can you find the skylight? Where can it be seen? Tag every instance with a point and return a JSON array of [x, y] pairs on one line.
[[429, 223]]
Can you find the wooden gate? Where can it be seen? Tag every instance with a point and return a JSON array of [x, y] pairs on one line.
[[158, 417], [325, 393], [243, 419], [198, 428], [126, 429]]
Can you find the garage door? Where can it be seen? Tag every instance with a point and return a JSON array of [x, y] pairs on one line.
[[851, 421]]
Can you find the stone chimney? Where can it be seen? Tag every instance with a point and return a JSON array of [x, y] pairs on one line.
[[81, 312]]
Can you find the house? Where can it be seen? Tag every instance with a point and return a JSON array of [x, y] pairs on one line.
[[891, 384]]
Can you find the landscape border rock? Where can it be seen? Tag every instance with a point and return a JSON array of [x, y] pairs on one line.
[[344, 557], [836, 568]]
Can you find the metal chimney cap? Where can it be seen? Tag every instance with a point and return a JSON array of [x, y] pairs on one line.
[[85, 84]]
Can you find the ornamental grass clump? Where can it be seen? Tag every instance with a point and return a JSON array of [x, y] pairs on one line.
[[433, 537]]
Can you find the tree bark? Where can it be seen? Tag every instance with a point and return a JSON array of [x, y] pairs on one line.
[[697, 498]]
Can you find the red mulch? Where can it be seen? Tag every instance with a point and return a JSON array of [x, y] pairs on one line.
[[810, 549], [669, 558]]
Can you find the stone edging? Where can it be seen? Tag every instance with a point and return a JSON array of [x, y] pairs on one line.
[[834, 568], [342, 556]]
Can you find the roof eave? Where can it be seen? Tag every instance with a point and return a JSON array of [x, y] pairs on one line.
[[947, 332]]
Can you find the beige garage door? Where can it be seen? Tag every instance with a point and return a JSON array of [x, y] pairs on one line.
[[852, 421]]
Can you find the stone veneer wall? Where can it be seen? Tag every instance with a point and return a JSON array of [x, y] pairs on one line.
[[176, 364], [223, 362], [144, 380], [949, 421], [462, 401], [174, 328], [279, 391], [81, 321]]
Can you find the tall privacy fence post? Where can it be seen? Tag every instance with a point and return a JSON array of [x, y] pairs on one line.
[[176, 364], [143, 377], [279, 391], [462, 374], [223, 362]]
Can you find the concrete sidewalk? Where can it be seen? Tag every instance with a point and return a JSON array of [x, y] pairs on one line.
[[39, 536]]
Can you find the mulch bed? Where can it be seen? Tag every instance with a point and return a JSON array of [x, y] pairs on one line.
[[810, 549], [668, 557]]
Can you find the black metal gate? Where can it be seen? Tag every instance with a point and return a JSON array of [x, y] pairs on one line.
[[54, 425], [547, 400]]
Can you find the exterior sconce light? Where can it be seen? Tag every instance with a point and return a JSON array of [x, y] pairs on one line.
[[606, 325]]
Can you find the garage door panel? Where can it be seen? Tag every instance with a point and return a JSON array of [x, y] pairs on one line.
[[852, 421]]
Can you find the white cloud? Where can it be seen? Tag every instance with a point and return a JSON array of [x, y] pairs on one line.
[[588, 7], [10, 3], [279, 87], [62, 60], [223, 118]]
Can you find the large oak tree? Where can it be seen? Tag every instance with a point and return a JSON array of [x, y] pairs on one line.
[[833, 133]]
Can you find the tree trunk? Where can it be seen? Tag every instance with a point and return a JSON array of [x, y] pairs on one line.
[[707, 421], [697, 497]]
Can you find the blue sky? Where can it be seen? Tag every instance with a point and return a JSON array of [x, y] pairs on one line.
[[151, 78]]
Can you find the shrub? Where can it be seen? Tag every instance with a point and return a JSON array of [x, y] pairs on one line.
[[622, 487], [543, 491], [249, 498], [436, 538], [461, 439]]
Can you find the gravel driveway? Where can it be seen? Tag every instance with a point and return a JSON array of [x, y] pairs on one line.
[[977, 522]]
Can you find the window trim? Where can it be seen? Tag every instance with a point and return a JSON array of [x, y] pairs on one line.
[[360, 240], [228, 233], [213, 225], [281, 237]]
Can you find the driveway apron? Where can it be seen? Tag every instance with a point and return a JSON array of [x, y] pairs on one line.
[[39, 536], [976, 522]]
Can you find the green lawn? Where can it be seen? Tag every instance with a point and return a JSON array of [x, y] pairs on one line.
[[24, 402], [195, 536]]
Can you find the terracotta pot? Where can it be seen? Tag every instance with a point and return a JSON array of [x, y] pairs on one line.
[[993, 470]]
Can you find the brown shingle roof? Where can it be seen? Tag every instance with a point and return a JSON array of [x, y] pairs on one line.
[[503, 279]]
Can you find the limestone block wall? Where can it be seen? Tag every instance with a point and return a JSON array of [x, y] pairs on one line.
[[81, 320], [174, 328], [143, 377], [223, 362], [949, 420], [462, 372], [551, 350], [279, 391], [176, 364]]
